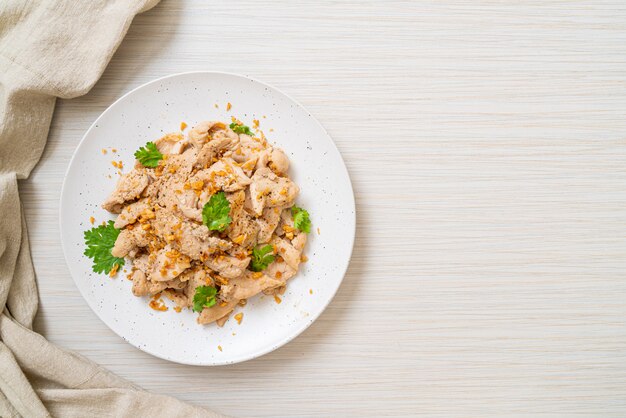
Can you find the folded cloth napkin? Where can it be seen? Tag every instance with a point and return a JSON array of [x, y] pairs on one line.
[[49, 49]]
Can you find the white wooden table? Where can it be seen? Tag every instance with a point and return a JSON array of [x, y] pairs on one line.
[[487, 147]]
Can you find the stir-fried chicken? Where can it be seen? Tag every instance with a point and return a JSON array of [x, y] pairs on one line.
[[198, 255]]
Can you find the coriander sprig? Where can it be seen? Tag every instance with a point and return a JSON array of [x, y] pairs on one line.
[[262, 257], [100, 240], [149, 155], [204, 298], [215, 212], [301, 219]]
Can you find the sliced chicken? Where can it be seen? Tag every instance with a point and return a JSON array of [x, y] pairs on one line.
[[275, 159], [216, 312], [280, 270], [129, 241], [269, 190], [144, 287], [221, 321], [248, 285], [129, 187], [180, 165], [168, 264], [288, 259], [278, 161], [132, 212], [173, 143], [243, 228], [188, 238], [189, 205], [212, 149], [267, 223], [178, 297], [299, 242], [227, 266], [248, 149], [208, 131], [287, 251], [224, 175]]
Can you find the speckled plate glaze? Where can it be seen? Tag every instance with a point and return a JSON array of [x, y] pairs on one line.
[[158, 107]]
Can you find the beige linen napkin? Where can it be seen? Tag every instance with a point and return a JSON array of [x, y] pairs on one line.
[[52, 49]]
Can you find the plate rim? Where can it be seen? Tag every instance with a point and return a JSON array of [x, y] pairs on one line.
[[341, 268]]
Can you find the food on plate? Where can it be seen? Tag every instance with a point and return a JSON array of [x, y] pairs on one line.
[[208, 220]]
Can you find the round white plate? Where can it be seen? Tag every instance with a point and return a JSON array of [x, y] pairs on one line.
[[158, 107]]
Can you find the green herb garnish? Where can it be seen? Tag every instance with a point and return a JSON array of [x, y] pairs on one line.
[[241, 129], [100, 240], [262, 257], [301, 219], [215, 212], [204, 298], [149, 155]]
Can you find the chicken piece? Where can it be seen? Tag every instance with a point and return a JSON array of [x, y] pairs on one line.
[[280, 290], [129, 187], [216, 312], [213, 148], [180, 165], [143, 287], [168, 264], [190, 273], [267, 223], [249, 166], [173, 143], [189, 205], [246, 286], [131, 212], [227, 266], [129, 241], [221, 321], [275, 159], [269, 190], [199, 134], [224, 175], [243, 229], [208, 131], [286, 265], [169, 180], [178, 297], [248, 149], [278, 161], [280, 270], [142, 262], [299, 242], [188, 238], [140, 283], [286, 250], [286, 224]]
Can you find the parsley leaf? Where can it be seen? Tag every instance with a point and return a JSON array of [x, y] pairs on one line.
[[262, 257], [241, 129], [149, 156], [204, 298], [215, 212], [301, 219], [100, 241]]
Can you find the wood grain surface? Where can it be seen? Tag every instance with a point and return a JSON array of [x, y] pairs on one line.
[[486, 142]]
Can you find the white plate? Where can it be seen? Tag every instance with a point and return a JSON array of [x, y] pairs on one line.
[[158, 107]]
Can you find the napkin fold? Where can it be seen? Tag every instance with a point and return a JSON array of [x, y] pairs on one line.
[[51, 49]]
